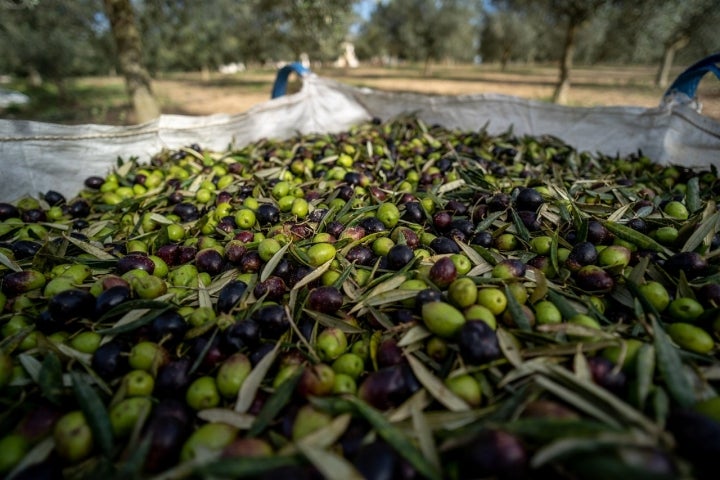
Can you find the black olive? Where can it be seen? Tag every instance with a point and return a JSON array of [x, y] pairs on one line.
[[230, 295], [245, 333], [53, 198], [25, 248], [478, 343], [528, 199], [169, 326], [413, 213], [399, 256], [186, 211], [272, 320], [267, 214], [441, 245], [372, 225], [79, 208], [109, 361], [70, 304], [112, 297]]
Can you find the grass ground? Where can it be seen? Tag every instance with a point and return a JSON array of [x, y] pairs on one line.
[[103, 100]]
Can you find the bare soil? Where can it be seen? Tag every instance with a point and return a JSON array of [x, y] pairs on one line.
[[191, 94]]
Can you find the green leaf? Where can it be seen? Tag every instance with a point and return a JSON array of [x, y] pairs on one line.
[[435, 386], [566, 309], [633, 236], [706, 230], [273, 262], [520, 226], [277, 401], [50, 378], [330, 465], [396, 439], [95, 413], [671, 367], [645, 372], [242, 467], [692, 195], [250, 386], [517, 312]]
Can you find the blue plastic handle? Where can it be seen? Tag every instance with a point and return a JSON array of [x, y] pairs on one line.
[[281, 80], [687, 82]]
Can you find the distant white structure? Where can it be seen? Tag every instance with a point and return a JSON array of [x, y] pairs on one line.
[[347, 59], [231, 68], [11, 97], [305, 60]]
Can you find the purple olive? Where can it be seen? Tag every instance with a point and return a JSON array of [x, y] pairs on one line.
[[413, 213], [361, 255], [25, 249], [592, 278], [326, 299], [94, 182], [598, 234], [79, 208], [388, 387], [135, 261], [495, 454], [273, 287], [173, 379], [692, 263], [169, 254], [583, 253], [209, 260], [443, 272], [245, 333]]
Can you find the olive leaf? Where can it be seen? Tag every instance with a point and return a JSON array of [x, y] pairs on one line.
[[671, 367], [241, 421], [95, 414], [250, 386], [277, 401], [273, 262], [435, 386]]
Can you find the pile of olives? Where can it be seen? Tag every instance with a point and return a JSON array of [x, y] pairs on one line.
[[399, 300]]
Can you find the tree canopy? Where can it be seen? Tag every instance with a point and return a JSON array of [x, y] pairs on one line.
[[55, 39]]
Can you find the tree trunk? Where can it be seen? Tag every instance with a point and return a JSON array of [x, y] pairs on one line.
[[662, 78], [563, 87], [504, 59], [129, 51]]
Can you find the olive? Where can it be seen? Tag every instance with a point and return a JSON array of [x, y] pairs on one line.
[[443, 272], [442, 220], [692, 263], [709, 295], [377, 460], [267, 214], [388, 353], [186, 211], [413, 213], [509, 268], [443, 245], [335, 228], [272, 320], [260, 352], [173, 378], [110, 298], [499, 202], [70, 304], [25, 249], [478, 343], [94, 182], [592, 278], [483, 239], [598, 234], [166, 438], [273, 288], [79, 208], [169, 326], [234, 251], [209, 260], [697, 437], [360, 255], [528, 199], [34, 215], [230, 295], [583, 253], [605, 374], [426, 296], [250, 262], [494, 454], [399, 256], [245, 333], [637, 224], [373, 224], [109, 360], [135, 261], [8, 210], [325, 299], [316, 380]]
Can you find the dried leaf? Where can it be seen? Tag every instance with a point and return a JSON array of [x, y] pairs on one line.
[[415, 334], [89, 248], [509, 347], [4, 260], [425, 437]]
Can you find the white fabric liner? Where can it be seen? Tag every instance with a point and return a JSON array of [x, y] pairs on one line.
[[36, 157]]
